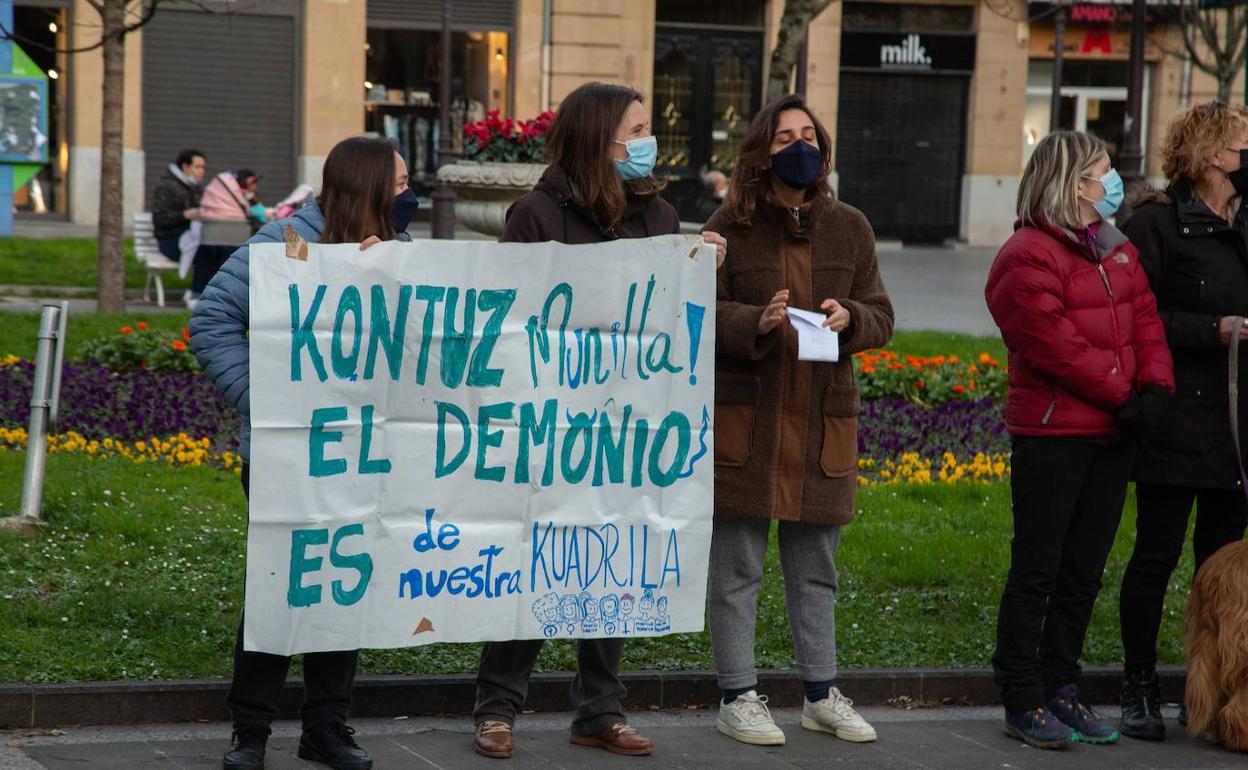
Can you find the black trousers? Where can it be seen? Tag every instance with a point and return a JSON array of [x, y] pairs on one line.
[[597, 693], [1068, 497], [208, 260], [259, 679], [1160, 529]]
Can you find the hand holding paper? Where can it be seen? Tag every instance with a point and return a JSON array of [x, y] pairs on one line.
[[815, 342]]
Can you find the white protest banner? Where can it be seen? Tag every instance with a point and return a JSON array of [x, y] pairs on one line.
[[459, 441]]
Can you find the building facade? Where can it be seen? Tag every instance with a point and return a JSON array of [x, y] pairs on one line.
[[933, 104]]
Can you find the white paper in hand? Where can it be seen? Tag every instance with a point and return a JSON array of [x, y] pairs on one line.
[[814, 341]]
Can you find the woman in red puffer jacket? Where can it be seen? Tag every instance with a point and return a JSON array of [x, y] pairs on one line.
[[1090, 373]]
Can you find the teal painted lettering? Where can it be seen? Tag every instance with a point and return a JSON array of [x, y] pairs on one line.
[[368, 465], [451, 410], [533, 433], [610, 450], [487, 438], [303, 336], [318, 466], [345, 364], [595, 336], [379, 331], [580, 431], [360, 562], [641, 329], [628, 326], [480, 375], [680, 423], [539, 344], [297, 594], [431, 296], [671, 560], [640, 434], [456, 342]]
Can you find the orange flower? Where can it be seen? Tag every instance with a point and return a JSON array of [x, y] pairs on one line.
[[896, 366], [142, 326], [868, 369], [987, 360], [971, 385], [186, 334], [127, 330], [178, 345]]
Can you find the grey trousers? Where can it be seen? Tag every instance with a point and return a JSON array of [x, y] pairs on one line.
[[807, 553]]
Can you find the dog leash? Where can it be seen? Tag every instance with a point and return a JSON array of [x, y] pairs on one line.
[[1237, 325]]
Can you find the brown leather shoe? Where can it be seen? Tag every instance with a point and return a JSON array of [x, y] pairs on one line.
[[494, 740], [620, 738]]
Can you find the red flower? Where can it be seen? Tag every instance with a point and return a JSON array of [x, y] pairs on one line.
[[127, 330], [958, 389], [142, 326], [186, 334], [178, 345]]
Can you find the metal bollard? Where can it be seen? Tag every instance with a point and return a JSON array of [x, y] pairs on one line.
[[44, 402]]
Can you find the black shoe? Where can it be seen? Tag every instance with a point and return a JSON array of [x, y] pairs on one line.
[[246, 750], [1141, 707], [334, 746]]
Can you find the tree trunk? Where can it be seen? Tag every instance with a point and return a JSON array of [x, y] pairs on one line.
[[112, 288], [792, 32], [1224, 87]]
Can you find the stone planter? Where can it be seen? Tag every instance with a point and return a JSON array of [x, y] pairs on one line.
[[483, 191]]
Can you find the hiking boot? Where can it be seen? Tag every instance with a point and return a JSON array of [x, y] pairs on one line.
[[748, 720], [835, 714], [334, 745], [1080, 717], [246, 749], [1039, 728], [1141, 708]]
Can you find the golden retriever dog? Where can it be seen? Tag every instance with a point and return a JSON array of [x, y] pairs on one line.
[[1217, 649]]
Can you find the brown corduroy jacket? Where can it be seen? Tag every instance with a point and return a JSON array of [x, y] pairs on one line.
[[786, 431]]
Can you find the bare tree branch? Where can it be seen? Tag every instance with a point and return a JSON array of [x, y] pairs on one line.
[[147, 16]]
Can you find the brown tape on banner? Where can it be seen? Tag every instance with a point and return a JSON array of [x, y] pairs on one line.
[[1237, 325], [296, 247]]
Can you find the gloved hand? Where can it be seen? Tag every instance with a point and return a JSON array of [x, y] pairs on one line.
[[1142, 413]]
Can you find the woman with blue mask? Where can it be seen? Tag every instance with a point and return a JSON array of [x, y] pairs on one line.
[[1090, 376], [599, 186], [786, 444]]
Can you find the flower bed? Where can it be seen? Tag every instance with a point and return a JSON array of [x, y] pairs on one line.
[[928, 380], [172, 450]]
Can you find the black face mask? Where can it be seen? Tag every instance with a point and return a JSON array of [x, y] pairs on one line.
[[1239, 177], [404, 208], [797, 165]]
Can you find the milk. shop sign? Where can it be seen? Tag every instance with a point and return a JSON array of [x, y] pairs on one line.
[[907, 51]]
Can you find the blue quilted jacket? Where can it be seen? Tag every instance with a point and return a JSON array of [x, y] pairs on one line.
[[220, 322]]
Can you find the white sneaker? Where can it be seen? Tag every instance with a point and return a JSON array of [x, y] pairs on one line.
[[835, 714], [748, 720]]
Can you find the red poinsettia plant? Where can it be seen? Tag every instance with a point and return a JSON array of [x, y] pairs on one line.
[[507, 140]]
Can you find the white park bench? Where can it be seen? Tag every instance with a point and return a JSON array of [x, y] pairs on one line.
[[147, 252]]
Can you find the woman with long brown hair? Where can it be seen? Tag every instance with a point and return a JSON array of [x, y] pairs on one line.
[[599, 187], [364, 199], [786, 444]]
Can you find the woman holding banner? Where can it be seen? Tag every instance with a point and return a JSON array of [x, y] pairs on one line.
[[364, 199], [786, 444], [599, 187]]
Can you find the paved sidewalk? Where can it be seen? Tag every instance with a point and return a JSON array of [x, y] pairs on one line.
[[961, 738]]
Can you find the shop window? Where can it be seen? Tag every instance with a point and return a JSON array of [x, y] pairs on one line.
[[46, 29], [402, 83]]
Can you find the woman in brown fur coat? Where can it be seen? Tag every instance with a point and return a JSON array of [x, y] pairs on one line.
[[786, 444]]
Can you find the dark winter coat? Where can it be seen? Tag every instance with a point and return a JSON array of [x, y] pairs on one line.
[[1082, 328], [786, 431], [170, 199], [551, 212], [1198, 267]]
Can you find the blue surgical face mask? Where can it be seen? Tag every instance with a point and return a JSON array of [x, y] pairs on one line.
[[1110, 202], [797, 165], [642, 154]]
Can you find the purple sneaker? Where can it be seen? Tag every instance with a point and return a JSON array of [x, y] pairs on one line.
[[1089, 725], [1039, 728]]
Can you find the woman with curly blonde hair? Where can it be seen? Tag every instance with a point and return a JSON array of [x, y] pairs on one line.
[[1193, 243]]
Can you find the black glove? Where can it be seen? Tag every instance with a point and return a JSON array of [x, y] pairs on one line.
[[1142, 413]]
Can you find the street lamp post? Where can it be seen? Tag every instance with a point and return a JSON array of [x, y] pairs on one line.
[[1059, 54], [443, 196], [1132, 157]]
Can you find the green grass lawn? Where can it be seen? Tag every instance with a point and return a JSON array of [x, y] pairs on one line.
[[67, 262], [140, 575]]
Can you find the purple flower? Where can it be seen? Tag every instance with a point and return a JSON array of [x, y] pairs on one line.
[[887, 427]]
